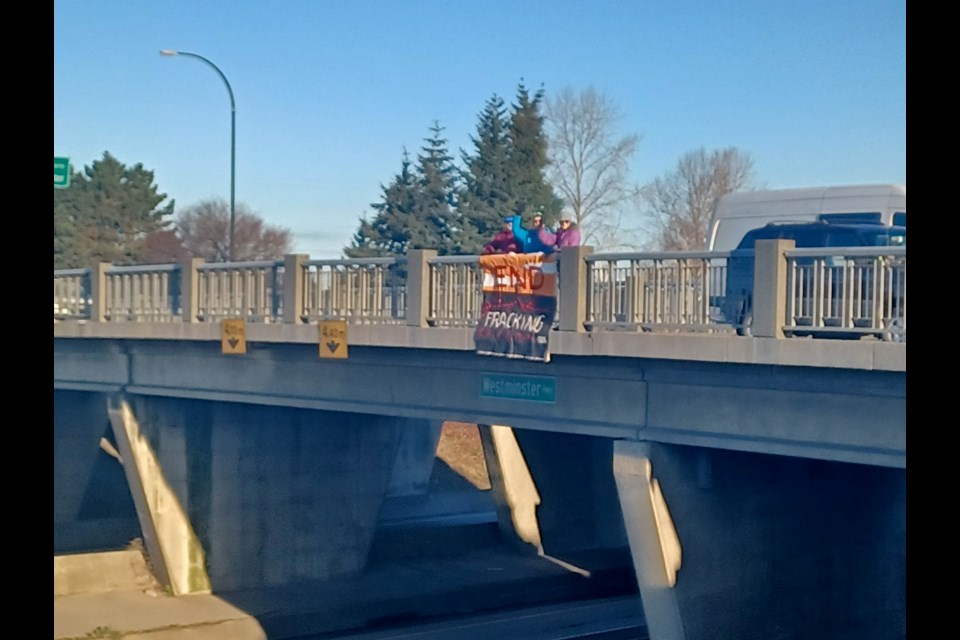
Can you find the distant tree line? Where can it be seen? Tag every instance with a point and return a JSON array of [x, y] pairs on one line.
[[537, 154]]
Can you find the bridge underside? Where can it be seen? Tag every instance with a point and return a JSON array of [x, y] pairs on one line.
[[724, 543]]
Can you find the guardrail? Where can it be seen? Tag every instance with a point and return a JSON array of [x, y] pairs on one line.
[[829, 292]]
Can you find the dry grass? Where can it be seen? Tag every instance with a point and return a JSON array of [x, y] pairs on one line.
[[460, 448]]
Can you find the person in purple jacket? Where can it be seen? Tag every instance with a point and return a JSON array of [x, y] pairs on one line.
[[504, 241], [567, 234]]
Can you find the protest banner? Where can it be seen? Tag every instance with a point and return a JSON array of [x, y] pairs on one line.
[[519, 304]]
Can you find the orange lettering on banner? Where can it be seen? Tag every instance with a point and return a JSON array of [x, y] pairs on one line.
[[519, 273]]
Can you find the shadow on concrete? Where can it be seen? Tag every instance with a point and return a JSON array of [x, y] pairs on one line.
[[107, 518], [398, 593]]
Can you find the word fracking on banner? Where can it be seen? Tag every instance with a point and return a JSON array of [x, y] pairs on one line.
[[519, 304]]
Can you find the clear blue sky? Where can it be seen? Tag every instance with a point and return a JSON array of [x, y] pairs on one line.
[[329, 92]]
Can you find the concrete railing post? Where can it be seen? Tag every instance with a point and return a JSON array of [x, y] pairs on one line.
[[418, 286], [293, 287], [573, 288], [190, 289], [770, 287], [98, 291]]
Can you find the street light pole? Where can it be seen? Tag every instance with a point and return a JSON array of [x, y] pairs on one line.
[[233, 138]]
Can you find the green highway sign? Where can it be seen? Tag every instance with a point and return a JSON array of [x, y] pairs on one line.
[[509, 387], [61, 173]]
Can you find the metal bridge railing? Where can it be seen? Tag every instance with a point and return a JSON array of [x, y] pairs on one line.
[[71, 294], [829, 292], [142, 293], [249, 290], [664, 292], [360, 291], [456, 291], [847, 291]]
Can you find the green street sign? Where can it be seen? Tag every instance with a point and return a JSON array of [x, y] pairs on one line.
[[511, 387], [61, 173]]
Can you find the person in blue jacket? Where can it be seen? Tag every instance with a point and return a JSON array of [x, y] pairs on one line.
[[535, 239]]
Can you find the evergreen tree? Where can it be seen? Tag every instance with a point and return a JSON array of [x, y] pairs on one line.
[[418, 208], [528, 158], [389, 232], [485, 197], [364, 243], [105, 214], [456, 211], [438, 227]]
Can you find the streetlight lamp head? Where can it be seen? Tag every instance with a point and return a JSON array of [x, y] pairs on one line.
[[168, 52]]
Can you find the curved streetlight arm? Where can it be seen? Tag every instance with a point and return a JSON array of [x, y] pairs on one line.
[[233, 136], [171, 52]]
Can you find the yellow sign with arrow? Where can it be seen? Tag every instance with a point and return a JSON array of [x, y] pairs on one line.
[[233, 336], [333, 339]]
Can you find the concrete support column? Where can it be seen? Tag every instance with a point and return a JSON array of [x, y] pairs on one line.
[[190, 289], [555, 493], [578, 512], [293, 279], [728, 544], [418, 286], [573, 287], [770, 287], [416, 455], [653, 539], [274, 495], [514, 493], [98, 291], [176, 554]]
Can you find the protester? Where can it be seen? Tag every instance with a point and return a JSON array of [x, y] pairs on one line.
[[504, 241], [567, 235], [533, 240]]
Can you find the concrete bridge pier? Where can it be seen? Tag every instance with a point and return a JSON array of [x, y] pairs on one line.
[[739, 545], [556, 495], [92, 508], [578, 510], [416, 454], [273, 495]]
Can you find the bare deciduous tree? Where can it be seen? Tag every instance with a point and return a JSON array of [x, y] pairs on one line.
[[588, 162], [163, 247], [679, 204], [614, 232], [205, 230]]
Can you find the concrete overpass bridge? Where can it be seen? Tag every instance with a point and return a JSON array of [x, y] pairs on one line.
[[758, 482]]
